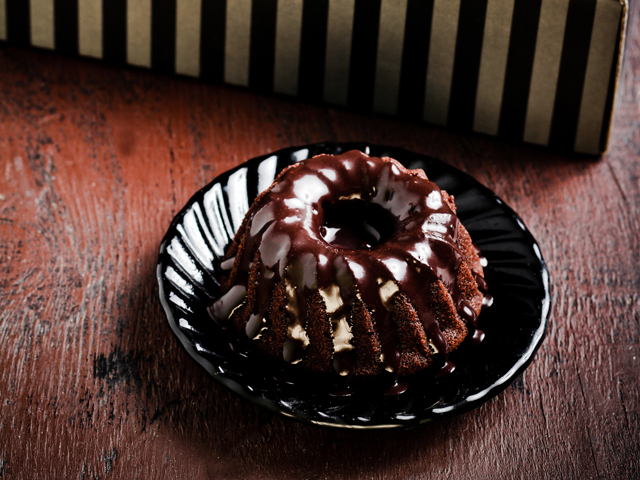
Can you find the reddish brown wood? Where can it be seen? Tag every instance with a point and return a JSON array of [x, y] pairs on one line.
[[94, 163]]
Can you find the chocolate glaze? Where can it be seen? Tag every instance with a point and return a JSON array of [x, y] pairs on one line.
[[397, 388], [351, 225]]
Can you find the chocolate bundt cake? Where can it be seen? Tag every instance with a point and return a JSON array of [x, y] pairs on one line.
[[353, 265]]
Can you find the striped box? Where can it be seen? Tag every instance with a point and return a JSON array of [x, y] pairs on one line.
[[539, 71]]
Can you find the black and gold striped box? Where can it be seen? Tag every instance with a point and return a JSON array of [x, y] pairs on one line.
[[540, 71]]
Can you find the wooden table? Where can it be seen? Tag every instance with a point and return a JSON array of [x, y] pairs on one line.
[[94, 163]]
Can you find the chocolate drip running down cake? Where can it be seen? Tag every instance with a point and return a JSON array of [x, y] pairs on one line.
[[355, 267]]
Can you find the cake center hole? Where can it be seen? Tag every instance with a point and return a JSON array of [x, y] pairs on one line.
[[356, 224]]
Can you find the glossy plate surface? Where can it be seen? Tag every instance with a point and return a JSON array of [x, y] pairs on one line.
[[515, 325]]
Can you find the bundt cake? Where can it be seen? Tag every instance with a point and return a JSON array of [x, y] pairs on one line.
[[355, 266]]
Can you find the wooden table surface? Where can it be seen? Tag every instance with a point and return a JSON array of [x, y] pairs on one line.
[[94, 163]]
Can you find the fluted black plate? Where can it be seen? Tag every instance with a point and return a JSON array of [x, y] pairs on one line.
[[188, 270]]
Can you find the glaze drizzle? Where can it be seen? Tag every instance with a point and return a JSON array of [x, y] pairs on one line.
[[404, 239]]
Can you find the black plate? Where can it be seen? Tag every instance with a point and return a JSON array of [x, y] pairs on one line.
[[515, 325]]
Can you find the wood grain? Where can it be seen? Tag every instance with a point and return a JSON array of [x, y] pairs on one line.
[[95, 162]]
